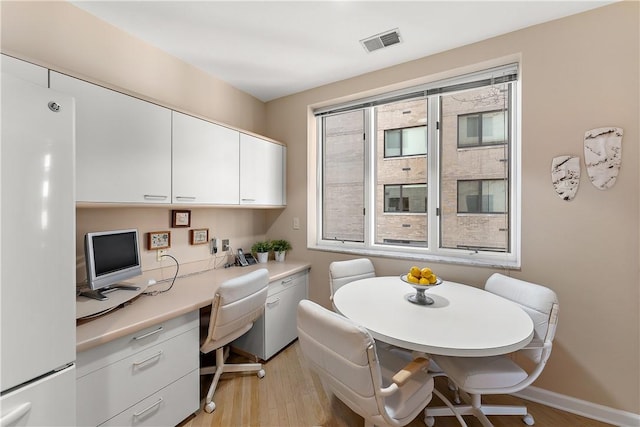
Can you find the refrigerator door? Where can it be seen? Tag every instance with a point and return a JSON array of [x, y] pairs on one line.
[[37, 228], [47, 402]]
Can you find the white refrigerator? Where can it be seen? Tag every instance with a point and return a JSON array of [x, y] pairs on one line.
[[37, 251]]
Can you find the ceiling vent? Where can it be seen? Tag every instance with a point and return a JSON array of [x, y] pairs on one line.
[[379, 41]]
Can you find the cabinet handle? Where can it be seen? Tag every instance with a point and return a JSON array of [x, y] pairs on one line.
[[137, 414], [185, 198], [248, 200], [287, 282], [272, 303], [148, 334], [15, 414], [154, 197], [142, 362]]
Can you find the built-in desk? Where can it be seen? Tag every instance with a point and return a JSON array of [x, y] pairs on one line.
[[138, 365]]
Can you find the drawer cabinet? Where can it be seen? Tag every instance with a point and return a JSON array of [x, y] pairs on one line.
[[277, 327], [119, 378]]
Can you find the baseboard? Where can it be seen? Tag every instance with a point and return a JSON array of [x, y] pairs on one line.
[[580, 407]]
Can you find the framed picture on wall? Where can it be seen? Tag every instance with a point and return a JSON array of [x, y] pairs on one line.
[[199, 236], [158, 240], [180, 218]]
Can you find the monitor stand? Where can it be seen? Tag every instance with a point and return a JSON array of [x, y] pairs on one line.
[[99, 294], [87, 306]]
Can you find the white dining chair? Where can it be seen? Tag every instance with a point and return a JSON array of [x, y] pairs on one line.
[[343, 272], [238, 302], [478, 376], [376, 384]]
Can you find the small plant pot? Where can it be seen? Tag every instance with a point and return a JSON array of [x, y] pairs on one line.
[[263, 257], [280, 255]]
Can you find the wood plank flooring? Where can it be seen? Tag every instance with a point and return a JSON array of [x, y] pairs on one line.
[[291, 395]]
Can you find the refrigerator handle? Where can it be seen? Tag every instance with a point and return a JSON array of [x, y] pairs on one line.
[[15, 414]]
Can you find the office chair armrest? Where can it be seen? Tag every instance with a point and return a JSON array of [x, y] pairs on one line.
[[409, 370]]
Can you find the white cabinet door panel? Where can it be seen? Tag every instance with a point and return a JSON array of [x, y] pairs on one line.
[[206, 162], [123, 151], [261, 172], [25, 70]]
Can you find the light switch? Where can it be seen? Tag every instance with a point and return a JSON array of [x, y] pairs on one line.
[[296, 223]]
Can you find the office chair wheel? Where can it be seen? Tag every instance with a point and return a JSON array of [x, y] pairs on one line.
[[528, 420], [209, 407], [261, 373], [429, 421]]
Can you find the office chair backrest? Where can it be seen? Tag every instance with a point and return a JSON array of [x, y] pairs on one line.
[[341, 352], [540, 303], [236, 305], [343, 272]]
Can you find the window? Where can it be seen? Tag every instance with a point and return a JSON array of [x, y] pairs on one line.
[[405, 198], [482, 196], [425, 173], [405, 142], [482, 128]]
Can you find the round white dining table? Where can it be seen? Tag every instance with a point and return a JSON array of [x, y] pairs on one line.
[[462, 321]]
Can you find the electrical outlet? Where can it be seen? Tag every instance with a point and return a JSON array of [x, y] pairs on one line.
[[225, 245], [160, 253]]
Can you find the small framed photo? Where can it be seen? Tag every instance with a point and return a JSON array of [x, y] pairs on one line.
[[199, 236], [158, 240], [180, 218]]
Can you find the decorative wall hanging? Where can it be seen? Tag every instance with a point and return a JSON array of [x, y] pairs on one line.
[[565, 176], [158, 240], [603, 155], [180, 218], [199, 236]]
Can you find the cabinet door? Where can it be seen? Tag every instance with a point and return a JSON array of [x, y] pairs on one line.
[[280, 315], [261, 172], [206, 162], [25, 70], [123, 145]]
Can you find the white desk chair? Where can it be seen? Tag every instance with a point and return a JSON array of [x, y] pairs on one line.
[[236, 305], [376, 385], [343, 272], [478, 376]]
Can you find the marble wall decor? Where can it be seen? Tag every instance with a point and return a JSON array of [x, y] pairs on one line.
[[603, 155], [565, 176]]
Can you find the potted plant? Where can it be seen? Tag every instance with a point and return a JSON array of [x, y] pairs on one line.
[[261, 249], [280, 248]]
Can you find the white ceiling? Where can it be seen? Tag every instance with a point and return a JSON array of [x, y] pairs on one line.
[[275, 48]]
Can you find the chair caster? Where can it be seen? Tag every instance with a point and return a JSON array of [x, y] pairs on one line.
[[209, 407], [261, 373], [528, 420], [429, 421]]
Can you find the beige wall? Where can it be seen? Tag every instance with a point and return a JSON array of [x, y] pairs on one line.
[[578, 73], [574, 79]]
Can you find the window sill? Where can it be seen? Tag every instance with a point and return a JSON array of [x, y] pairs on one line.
[[475, 260]]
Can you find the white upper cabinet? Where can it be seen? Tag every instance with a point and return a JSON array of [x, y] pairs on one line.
[[123, 145], [25, 70], [206, 162], [262, 172]]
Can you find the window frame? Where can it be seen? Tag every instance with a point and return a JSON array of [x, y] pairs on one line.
[[402, 154], [432, 253], [480, 143]]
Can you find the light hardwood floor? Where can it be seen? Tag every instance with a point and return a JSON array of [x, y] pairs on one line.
[[291, 395]]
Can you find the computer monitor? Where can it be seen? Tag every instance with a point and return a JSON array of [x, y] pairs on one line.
[[111, 257]]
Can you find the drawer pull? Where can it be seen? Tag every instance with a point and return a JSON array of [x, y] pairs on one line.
[[287, 282], [15, 414], [144, 411], [148, 334], [158, 354], [272, 303]]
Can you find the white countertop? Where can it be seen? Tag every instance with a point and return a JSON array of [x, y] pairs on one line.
[[189, 293]]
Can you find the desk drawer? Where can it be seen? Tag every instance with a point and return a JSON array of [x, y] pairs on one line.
[[111, 352], [116, 387], [285, 283], [167, 407]]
